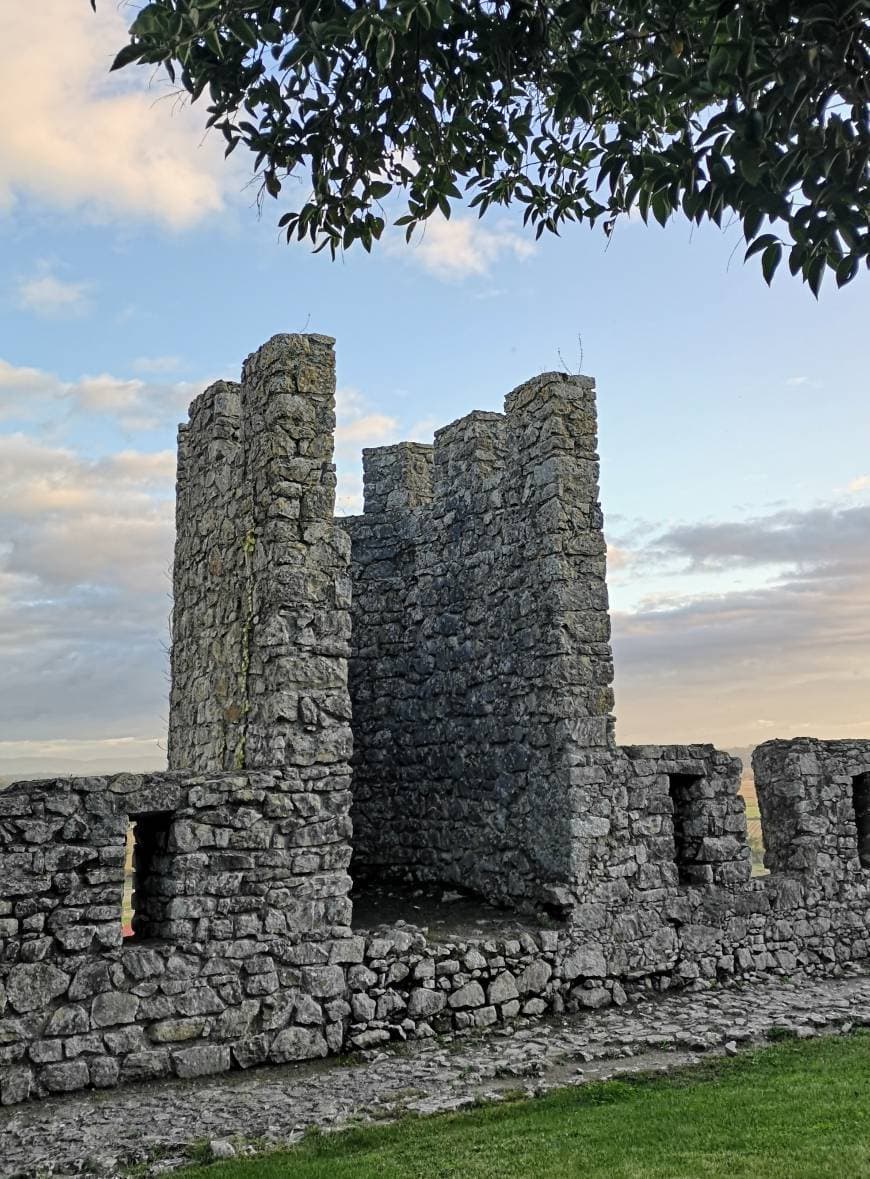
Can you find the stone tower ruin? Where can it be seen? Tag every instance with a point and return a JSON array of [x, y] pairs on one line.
[[473, 595]]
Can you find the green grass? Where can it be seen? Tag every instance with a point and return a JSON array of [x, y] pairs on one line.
[[792, 1111]]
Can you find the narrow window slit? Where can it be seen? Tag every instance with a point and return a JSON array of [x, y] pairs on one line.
[[861, 803], [147, 872], [681, 788], [127, 893]]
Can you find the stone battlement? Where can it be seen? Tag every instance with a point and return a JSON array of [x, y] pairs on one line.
[[480, 663]]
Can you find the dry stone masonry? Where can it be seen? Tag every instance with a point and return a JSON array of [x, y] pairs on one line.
[[481, 659], [419, 693], [261, 622], [271, 1108]]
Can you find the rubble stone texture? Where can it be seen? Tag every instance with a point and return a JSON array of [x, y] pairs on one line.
[[261, 622], [481, 657], [164, 1126], [479, 670]]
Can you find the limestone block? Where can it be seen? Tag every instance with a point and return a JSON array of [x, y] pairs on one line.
[[471, 995], [32, 987], [298, 1044]]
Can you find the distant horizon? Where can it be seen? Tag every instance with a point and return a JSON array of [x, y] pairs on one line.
[[142, 763]]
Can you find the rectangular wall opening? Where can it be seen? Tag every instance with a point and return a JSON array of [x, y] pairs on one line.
[[127, 894], [147, 875], [682, 789], [861, 803]]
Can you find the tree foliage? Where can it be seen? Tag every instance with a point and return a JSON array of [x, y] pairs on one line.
[[578, 110]]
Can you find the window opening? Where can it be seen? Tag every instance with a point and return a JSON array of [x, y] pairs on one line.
[[146, 875], [127, 893], [754, 829], [686, 846], [861, 803]]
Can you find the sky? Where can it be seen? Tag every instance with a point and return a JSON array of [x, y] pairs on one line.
[[734, 419]]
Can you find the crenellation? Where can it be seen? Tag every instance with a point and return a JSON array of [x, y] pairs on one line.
[[423, 691], [481, 630], [397, 478]]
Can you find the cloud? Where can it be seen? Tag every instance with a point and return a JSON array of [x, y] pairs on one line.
[[48, 295], [862, 483], [85, 562], [84, 592], [29, 759], [796, 651], [423, 430], [86, 550], [804, 540], [75, 136], [357, 425], [22, 387], [69, 522], [461, 247], [156, 364], [31, 395], [618, 558]]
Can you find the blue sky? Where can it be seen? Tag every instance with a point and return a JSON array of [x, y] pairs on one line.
[[734, 419]]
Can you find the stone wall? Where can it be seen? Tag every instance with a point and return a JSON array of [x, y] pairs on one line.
[[481, 656], [661, 849], [813, 801], [261, 622], [253, 959], [668, 899], [242, 950]]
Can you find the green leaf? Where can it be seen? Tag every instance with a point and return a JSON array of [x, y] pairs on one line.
[[815, 272], [386, 47], [750, 168], [770, 259], [213, 40], [128, 54], [761, 243], [245, 31], [738, 110], [752, 223], [846, 270], [661, 208], [147, 21]]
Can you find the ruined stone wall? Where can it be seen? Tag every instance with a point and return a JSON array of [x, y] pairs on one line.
[[211, 610], [661, 841], [665, 875], [813, 808], [254, 959], [261, 620], [668, 897], [240, 965], [481, 652]]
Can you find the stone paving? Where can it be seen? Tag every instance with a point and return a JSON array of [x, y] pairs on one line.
[[163, 1123]]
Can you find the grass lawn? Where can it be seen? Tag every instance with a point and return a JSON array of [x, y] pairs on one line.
[[791, 1111]]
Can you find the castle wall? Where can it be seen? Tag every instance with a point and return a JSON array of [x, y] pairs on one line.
[[481, 653], [661, 840], [252, 958], [239, 962], [211, 610]]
